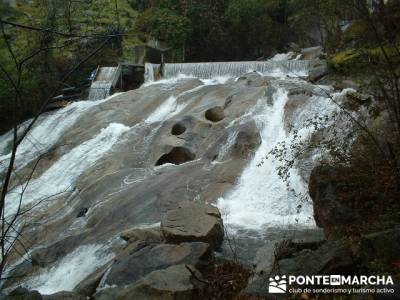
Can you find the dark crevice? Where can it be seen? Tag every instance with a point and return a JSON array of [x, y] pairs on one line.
[[178, 129], [215, 114], [176, 156]]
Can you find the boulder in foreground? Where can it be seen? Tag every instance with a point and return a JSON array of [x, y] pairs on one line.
[[193, 221]]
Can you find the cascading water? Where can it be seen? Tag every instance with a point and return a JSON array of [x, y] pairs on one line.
[[61, 177], [71, 269], [261, 198], [101, 86], [258, 197], [45, 134], [149, 72], [294, 68]]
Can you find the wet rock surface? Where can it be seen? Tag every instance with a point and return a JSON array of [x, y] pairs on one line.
[[277, 244], [175, 282], [22, 294], [64, 296], [319, 68], [312, 53], [193, 221], [130, 266]]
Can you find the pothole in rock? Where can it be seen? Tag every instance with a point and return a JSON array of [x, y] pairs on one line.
[[215, 114], [82, 212], [176, 156], [178, 129]]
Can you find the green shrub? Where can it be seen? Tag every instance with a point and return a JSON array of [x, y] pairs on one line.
[[163, 25]]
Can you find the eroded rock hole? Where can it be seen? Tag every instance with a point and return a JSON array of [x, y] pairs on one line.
[[215, 114], [82, 212], [176, 156], [178, 129]]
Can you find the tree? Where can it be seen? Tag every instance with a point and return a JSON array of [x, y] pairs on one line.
[[28, 50], [164, 25], [250, 24]]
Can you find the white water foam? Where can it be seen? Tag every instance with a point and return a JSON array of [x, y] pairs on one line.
[[283, 56], [279, 66], [46, 132], [101, 87], [70, 270], [261, 198], [167, 109], [64, 173]]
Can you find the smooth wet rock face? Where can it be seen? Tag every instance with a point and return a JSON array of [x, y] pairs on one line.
[[174, 283], [247, 140], [130, 266], [193, 221]]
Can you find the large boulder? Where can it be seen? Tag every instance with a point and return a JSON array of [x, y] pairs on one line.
[[136, 239], [381, 245], [329, 212], [267, 256], [89, 285], [312, 53], [146, 235], [130, 266], [332, 257], [173, 283], [64, 296], [22, 294], [318, 69], [193, 221], [247, 140]]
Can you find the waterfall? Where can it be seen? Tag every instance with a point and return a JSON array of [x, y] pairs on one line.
[[62, 175], [260, 196], [257, 198], [149, 72], [102, 84], [292, 68], [73, 268], [45, 134], [99, 90], [167, 109]]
